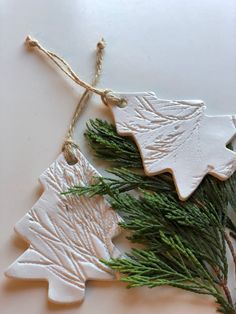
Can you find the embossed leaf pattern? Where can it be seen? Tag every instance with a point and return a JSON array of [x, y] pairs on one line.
[[176, 136], [67, 235]]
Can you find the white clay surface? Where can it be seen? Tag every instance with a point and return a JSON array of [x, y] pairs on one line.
[[67, 234], [177, 136]]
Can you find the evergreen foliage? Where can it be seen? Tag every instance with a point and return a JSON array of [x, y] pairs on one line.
[[184, 243]]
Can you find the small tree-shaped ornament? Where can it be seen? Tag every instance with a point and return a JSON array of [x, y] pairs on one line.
[[178, 137], [68, 236]]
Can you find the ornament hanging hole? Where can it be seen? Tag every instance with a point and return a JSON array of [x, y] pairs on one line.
[[72, 162], [69, 153]]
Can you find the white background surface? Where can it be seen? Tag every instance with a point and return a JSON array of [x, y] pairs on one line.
[[177, 48]]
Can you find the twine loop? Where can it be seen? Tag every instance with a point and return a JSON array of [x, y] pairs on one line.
[[107, 96], [101, 44]]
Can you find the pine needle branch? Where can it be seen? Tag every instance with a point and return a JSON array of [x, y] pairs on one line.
[[108, 145], [184, 242]]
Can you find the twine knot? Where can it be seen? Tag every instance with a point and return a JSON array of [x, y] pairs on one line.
[[111, 99], [31, 43], [101, 44]]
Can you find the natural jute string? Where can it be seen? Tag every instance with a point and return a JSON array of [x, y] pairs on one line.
[[69, 144], [107, 96]]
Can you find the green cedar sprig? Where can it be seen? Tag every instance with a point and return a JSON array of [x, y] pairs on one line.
[[184, 242], [108, 145]]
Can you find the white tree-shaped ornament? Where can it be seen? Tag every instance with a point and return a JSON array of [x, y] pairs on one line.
[[67, 235], [176, 136]]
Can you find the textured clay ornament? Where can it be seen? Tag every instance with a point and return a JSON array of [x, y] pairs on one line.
[[176, 136], [67, 235]]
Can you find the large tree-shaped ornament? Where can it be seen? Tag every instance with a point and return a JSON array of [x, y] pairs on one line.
[[177, 136], [67, 235]]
